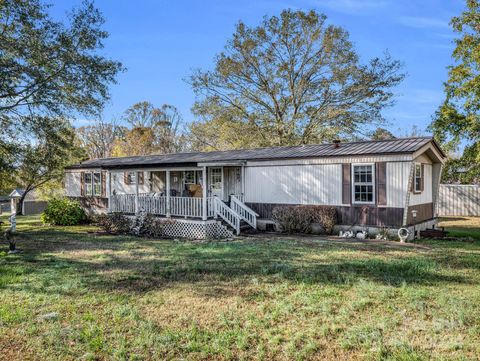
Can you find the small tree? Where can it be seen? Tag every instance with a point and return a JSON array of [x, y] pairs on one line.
[[44, 161]]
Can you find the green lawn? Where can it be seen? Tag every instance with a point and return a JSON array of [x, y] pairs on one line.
[[254, 298]]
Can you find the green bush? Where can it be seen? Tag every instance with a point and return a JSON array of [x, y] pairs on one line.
[[299, 219], [115, 223], [63, 212]]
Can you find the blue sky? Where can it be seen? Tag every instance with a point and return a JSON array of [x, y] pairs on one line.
[[161, 42]]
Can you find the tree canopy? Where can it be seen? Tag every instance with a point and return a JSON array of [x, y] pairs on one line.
[[50, 71], [456, 123], [294, 79]]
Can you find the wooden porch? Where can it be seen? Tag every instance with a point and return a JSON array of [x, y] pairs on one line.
[[190, 193]]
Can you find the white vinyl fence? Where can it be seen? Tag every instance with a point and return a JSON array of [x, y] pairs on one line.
[[459, 200]]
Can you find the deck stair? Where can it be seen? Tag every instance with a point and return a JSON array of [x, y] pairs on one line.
[[238, 216]]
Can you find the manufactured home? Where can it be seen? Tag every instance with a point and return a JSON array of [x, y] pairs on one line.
[[375, 184]]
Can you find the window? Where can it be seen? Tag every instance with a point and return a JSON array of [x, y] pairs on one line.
[[88, 184], [363, 185], [131, 178], [189, 177], [418, 178], [97, 184], [93, 183]]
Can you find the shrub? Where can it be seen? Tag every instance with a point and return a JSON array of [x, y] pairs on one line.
[[116, 223], [63, 212], [147, 225], [299, 219]]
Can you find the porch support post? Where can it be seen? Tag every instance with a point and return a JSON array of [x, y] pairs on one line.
[[243, 183], [167, 177], [204, 195], [136, 192]]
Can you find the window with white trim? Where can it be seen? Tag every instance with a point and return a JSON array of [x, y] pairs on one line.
[[88, 184], [418, 177], [131, 178], [363, 187], [189, 177], [93, 183], [97, 183]]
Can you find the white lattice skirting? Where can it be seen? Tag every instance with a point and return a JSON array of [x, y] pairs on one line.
[[192, 229]]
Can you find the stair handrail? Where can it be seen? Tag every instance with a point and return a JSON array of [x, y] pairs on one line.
[[227, 214], [245, 212]]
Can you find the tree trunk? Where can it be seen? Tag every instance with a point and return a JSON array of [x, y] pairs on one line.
[[20, 203]]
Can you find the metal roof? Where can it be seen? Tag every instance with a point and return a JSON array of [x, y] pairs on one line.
[[391, 146]]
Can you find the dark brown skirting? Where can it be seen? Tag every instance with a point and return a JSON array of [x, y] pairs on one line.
[[424, 213], [92, 202], [363, 215]]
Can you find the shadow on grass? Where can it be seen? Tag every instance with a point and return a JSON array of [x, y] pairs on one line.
[[150, 265]]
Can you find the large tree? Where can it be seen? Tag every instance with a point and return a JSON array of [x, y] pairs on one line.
[[457, 121], [98, 139], [294, 79], [48, 70], [153, 130]]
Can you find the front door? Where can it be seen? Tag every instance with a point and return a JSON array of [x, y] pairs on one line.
[[216, 182]]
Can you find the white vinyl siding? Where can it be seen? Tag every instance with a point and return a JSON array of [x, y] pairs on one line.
[[397, 183], [119, 186], [300, 184], [426, 195], [73, 185]]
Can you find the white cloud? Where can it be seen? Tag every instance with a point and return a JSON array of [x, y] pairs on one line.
[[422, 22]]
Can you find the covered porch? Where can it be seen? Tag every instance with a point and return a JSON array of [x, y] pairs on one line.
[[201, 193]]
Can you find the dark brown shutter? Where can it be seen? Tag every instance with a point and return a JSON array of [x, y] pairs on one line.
[[125, 178], [381, 177], [140, 178], [346, 184], [104, 183], [82, 184], [422, 180]]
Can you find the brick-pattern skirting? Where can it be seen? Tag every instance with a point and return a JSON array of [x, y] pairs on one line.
[[364, 215]]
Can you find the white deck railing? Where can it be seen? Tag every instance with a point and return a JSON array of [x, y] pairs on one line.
[[186, 206], [152, 205], [245, 212], [179, 206], [124, 203], [227, 214]]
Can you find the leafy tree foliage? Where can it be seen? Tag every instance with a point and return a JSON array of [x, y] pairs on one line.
[[292, 80], [456, 123], [382, 134], [48, 71], [98, 139], [153, 131]]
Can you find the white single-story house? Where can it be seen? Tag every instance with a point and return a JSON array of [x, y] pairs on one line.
[[387, 183]]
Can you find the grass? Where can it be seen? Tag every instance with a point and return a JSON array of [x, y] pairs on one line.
[[124, 298]]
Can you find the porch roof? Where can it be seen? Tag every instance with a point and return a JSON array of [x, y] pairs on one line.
[[380, 147]]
